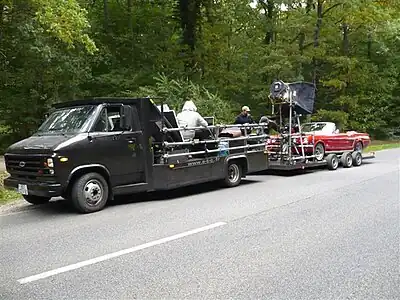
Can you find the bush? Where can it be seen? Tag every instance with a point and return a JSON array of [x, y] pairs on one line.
[[6, 195], [176, 92]]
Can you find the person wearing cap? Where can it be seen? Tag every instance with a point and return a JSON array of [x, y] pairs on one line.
[[244, 117]]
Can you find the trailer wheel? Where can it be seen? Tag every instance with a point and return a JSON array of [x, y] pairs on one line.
[[233, 174], [319, 151], [357, 158], [89, 193], [347, 160], [36, 200], [332, 161]]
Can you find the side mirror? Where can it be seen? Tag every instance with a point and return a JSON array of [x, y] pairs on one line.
[[126, 119]]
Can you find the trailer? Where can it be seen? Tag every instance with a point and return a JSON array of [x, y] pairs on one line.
[[289, 102]]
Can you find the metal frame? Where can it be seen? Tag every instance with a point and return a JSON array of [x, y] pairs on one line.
[[166, 146], [287, 156]]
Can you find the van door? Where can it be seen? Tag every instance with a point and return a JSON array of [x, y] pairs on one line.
[[119, 150]]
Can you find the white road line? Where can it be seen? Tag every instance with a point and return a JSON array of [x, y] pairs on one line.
[[116, 254]]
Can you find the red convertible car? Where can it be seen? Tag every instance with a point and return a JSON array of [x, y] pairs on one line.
[[323, 138]]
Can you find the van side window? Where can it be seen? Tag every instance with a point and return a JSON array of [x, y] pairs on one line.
[[109, 120]]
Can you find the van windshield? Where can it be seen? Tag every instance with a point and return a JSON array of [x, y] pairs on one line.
[[68, 120]]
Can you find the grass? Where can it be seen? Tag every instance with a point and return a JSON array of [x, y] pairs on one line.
[[6, 196], [382, 145]]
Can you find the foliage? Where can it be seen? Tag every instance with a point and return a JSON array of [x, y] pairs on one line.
[[6, 195], [224, 54], [176, 92]]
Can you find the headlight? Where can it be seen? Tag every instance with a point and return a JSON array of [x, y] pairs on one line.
[[50, 163]]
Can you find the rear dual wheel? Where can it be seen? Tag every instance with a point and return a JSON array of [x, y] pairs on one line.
[[357, 158], [347, 160], [333, 161], [233, 175]]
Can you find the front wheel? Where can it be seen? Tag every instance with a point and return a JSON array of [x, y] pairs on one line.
[[89, 193], [319, 152], [233, 174], [36, 200]]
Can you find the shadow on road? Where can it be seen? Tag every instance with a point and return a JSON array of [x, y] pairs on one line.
[[60, 206], [203, 188], [292, 173]]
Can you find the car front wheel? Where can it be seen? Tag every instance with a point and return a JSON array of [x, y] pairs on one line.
[[319, 151]]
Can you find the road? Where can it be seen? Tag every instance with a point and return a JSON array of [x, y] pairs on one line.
[[320, 235]]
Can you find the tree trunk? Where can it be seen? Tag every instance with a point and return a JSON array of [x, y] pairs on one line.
[[130, 5], [316, 38], [302, 37], [189, 11], [268, 7], [369, 46], [345, 49], [106, 15]]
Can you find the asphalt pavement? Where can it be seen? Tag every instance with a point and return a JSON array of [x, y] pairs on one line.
[[319, 235]]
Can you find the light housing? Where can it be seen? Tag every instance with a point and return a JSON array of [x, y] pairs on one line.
[[50, 163]]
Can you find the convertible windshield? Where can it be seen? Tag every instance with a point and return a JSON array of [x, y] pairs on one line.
[[313, 127], [67, 120]]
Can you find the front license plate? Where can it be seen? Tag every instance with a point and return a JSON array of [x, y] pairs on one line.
[[23, 189]]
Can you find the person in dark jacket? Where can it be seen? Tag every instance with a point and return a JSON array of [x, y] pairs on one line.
[[244, 117]]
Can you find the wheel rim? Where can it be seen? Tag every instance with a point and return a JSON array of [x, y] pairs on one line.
[[358, 159], [93, 192], [348, 159], [233, 173], [335, 162], [319, 152]]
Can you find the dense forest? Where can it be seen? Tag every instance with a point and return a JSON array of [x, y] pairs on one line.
[[221, 53]]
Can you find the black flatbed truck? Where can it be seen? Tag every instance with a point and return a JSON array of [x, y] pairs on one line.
[[89, 151]]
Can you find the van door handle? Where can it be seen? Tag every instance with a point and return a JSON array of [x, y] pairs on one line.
[[131, 141]]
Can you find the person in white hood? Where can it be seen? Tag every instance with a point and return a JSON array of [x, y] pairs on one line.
[[189, 117]]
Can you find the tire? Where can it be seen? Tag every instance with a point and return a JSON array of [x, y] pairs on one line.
[[332, 161], [319, 151], [89, 193], [36, 200], [357, 158], [233, 175], [346, 160], [358, 147]]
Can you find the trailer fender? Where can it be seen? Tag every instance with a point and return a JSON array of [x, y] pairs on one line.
[[242, 159]]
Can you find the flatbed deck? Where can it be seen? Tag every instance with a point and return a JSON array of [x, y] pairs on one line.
[[299, 165]]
